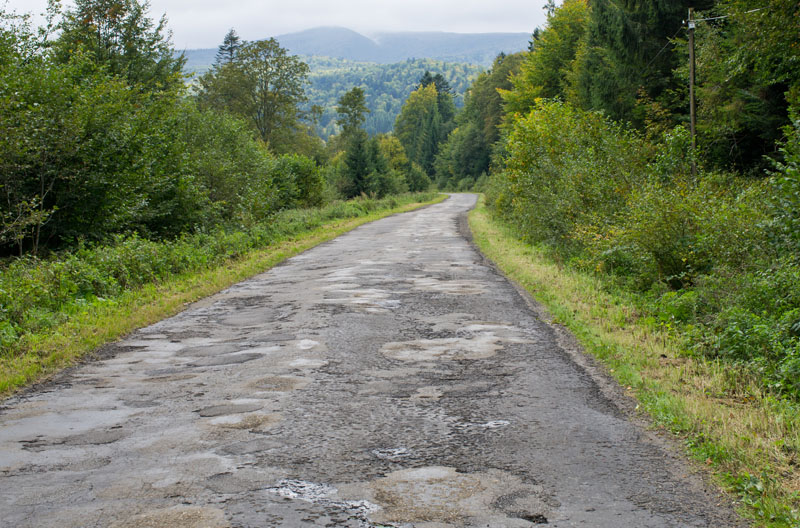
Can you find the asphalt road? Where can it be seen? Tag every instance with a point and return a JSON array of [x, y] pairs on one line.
[[390, 377]]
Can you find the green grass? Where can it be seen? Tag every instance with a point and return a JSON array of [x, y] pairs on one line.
[[748, 440], [86, 323]]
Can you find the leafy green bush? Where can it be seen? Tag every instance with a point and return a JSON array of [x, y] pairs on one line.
[[567, 172], [785, 202]]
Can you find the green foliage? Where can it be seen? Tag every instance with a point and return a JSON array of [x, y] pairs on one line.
[[299, 180], [386, 87], [567, 172], [419, 126], [465, 153], [416, 178], [785, 196], [714, 263], [227, 51], [94, 154], [119, 35], [352, 108], [468, 150], [262, 84], [86, 155], [741, 93], [546, 67], [444, 92], [624, 52], [358, 165]]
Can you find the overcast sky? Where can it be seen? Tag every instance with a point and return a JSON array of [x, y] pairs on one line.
[[203, 23]]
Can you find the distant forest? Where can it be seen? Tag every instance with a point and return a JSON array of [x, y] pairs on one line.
[[386, 86]]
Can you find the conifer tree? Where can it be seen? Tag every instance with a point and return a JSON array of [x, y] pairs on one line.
[[226, 53]]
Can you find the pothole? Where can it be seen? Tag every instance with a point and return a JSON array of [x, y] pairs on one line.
[[325, 496], [427, 394], [495, 424], [229, 408], [279, 383], [449, 287], [444, 496], [249, 422], [95, 437], [229, 359], [307, 363], [370, 300], [482, 340]]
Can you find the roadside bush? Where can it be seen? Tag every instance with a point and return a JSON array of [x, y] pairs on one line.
[[785, 186], [567, 171], [417, 179], [387, 183], [299, 181]]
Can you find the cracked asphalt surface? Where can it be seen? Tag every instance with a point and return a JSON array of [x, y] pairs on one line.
[[390, 377]]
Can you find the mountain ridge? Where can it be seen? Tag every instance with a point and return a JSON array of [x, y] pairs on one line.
[[387, 47]]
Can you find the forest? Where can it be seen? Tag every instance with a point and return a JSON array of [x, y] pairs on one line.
[[386, 86]]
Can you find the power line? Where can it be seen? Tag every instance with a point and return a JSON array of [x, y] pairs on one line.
[[669, 41], [728, 16], [683, 25]]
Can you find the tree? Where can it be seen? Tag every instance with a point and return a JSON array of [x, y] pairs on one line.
[[447, 109], [265, 85], [357, 165], [747, 67], [626, 49], [468, 150], [419, 126], [546, 67], [119, 35], [226, 53], [352, 109]]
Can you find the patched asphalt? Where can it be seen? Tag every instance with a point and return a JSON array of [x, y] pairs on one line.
[[390, 377]]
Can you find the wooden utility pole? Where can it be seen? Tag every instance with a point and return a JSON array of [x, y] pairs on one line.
[[692, 109]]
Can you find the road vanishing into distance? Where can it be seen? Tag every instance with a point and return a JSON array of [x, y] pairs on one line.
[[390, 377]]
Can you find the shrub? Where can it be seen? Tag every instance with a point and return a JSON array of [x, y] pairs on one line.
[[567, 171]]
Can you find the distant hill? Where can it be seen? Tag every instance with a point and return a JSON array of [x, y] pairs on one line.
[[386, 48], [334, 42]]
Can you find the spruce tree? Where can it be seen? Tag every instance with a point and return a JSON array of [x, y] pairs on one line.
[[357, 165], [226, 53]]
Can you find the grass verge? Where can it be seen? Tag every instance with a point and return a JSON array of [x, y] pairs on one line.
[[748, 439], [38, 355]]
